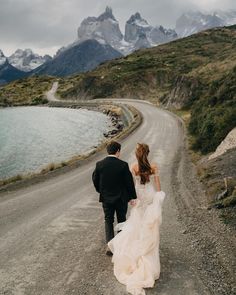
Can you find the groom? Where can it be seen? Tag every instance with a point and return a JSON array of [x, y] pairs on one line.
[[114, 182]]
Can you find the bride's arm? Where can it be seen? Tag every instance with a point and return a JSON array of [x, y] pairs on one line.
[[156, 177], [132, 169]]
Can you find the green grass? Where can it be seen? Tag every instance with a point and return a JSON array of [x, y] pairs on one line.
[[213, 116]]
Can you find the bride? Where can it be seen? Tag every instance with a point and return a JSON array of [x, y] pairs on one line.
[[136, 248]]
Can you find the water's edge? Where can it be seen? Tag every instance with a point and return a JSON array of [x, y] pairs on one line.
[[131, 117]]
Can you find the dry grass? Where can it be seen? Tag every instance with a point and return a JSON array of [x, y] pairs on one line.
[[28, 91], [213, 70]]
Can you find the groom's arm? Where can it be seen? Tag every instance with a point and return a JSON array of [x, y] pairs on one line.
[[95, 178], [129, 183]]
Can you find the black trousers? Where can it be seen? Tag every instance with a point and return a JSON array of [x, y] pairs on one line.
[[120, 208]]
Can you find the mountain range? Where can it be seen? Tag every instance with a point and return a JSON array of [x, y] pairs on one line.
[[20, 64], [138, 33], [196, 21], [8, 73], [100, 39], [26, 60]]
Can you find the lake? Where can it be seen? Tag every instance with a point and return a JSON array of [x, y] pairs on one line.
[[32, 137]]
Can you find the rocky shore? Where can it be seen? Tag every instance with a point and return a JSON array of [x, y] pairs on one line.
[[115, 113], [115, 116]]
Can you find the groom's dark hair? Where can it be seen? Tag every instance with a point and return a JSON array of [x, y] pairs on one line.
[[113, 147]]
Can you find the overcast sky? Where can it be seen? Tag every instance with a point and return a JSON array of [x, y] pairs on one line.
[[46, 25]]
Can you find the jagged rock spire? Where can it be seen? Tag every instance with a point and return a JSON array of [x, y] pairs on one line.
[[135, 17], [3, 59], [107, 14], [1, 53], [135, 26]]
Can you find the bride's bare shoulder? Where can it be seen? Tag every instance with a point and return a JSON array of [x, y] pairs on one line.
[[134, 167]]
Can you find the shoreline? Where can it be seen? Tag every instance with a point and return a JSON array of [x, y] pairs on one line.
[[57, 168]]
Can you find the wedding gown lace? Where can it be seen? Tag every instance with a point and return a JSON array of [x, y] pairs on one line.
[[136, 248]]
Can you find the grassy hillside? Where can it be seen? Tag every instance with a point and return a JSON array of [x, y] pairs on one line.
[[28, 91], [196, 73]]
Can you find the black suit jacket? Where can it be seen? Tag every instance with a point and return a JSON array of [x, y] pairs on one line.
[[113, 180]]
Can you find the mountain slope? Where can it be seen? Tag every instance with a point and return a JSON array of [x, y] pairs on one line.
[[177, 74], [9, 73], [79, 58]]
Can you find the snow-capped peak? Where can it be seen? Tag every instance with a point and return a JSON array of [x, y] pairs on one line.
[[3, 59], [196, 21], [229, 16], [107, 15], [135, 27], [104, 29], [137, 20], [26, 60], [138, 32]]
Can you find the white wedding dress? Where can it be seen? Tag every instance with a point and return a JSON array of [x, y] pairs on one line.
[[136, 248]]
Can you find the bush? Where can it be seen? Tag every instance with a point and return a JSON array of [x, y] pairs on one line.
[[39, 100], [214, 115]]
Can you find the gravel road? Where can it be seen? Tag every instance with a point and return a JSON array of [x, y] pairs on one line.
[[52, 234]]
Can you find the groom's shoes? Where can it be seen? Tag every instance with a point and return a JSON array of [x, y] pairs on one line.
[[108, 251]]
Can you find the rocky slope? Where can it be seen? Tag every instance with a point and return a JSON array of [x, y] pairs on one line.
[[227, 144], [218, 175]]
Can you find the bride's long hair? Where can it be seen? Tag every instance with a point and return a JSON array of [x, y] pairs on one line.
[[145, 169]]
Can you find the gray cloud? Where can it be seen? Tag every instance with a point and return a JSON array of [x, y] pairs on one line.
[[45, 25]]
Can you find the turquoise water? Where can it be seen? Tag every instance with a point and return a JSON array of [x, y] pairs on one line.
[[32, 137]]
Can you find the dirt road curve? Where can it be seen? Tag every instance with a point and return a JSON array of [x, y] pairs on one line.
[[52, 240]]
